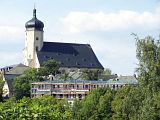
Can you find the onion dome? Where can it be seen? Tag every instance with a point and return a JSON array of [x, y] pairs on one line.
[[34, 22]]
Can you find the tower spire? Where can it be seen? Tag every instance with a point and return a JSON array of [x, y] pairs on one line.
[[34, 11]]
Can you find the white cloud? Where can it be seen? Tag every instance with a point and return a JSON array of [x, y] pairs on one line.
[[10, 33], [119, 56], [100, 21], [109, 34], [8, 58]]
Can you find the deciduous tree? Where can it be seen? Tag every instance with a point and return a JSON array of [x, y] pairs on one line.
[[50, 67], [148, 54], [21, 84]]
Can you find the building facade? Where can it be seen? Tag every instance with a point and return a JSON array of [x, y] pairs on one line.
[[75, 89]]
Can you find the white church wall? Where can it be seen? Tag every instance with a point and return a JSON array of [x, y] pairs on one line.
[[33, 43], [30, 44]]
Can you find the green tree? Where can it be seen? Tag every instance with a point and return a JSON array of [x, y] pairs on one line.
[[42, 108], [50, 67], [49, 108], [77, 105], [21, 84], [89, 110], [104, 105], [21, 87], [156, 99], [91, 74], [148, 54], [65, 76], [107, 74], [127, 103], [147, 109]]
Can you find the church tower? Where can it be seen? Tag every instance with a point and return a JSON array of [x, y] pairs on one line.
[[33, 40]]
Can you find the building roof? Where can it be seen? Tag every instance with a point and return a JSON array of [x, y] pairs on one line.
[[111, 81], [9, 79], [123, 80], [126, 77], [69, 55], [17, 69], [34, 22]]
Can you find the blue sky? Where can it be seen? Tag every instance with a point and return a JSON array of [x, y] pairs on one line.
[[105, 24]]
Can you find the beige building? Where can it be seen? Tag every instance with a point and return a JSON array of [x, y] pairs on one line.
[[78, 89]]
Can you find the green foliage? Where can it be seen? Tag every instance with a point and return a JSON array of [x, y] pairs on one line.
[[96, 106], [156, 99], [148, 54], [104, 105], [65, 76], [50, 67], [21, 87], [126, 103], [91, 74], [129, 103], [33, 75], [21, 84], [43, 108], [106, 74], [97, 74], [147, 109], [76, 109]]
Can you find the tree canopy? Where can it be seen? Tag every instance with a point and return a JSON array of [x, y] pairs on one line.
[[50, 67], [91, 74], [21, 84], [42, 108]]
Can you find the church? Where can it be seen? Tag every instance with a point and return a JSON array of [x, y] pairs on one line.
[[71, 56]]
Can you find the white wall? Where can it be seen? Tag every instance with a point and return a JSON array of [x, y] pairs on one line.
[[33, 39]]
